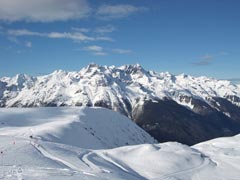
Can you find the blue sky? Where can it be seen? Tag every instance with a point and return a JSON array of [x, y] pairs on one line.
[[197, 37]]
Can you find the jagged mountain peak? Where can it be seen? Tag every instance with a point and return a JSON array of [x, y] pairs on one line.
[[96, 83], [132, 68], [59, 72]]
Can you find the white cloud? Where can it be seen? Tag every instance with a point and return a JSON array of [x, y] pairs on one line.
[[83, 30], [43, 10], [24, 32], [104, 38], [60, 10], [98, 32], [94, 48], [100, 53], [122, 51], [117, 11], [105, 29], [76, 36]]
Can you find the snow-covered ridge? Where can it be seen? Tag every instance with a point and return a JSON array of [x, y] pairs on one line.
[[112, 87], [92, 128]]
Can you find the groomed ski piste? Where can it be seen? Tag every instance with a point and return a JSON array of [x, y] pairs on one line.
[[98, 144]]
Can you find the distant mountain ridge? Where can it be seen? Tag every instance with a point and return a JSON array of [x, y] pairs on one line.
[[235, 81], [179, 108]]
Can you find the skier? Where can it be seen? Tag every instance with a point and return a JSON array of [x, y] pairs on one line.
[[35, 140]]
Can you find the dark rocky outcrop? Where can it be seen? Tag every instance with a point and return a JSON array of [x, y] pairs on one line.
[[166, 120]]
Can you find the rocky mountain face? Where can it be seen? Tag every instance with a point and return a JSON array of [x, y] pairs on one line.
[[170, 108]]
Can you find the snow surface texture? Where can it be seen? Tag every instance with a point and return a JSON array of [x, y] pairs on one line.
[[112, 87], [92, 128], [51, 153]]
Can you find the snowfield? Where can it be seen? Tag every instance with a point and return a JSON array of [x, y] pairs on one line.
[[91, 144], [91, 128]]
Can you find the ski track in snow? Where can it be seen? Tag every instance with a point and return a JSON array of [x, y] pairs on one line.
[[198, 168], [123, 167], [40, 157], [45, 153], [100, 163], [91, 160]]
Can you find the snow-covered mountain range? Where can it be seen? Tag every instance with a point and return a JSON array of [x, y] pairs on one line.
[[53, 143], [182, 105], [113, 85]]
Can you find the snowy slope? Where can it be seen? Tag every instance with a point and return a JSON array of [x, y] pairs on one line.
[[112, 87], [93, 128], [225, 153], [53, 153], [45, 160], [48, 160]]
